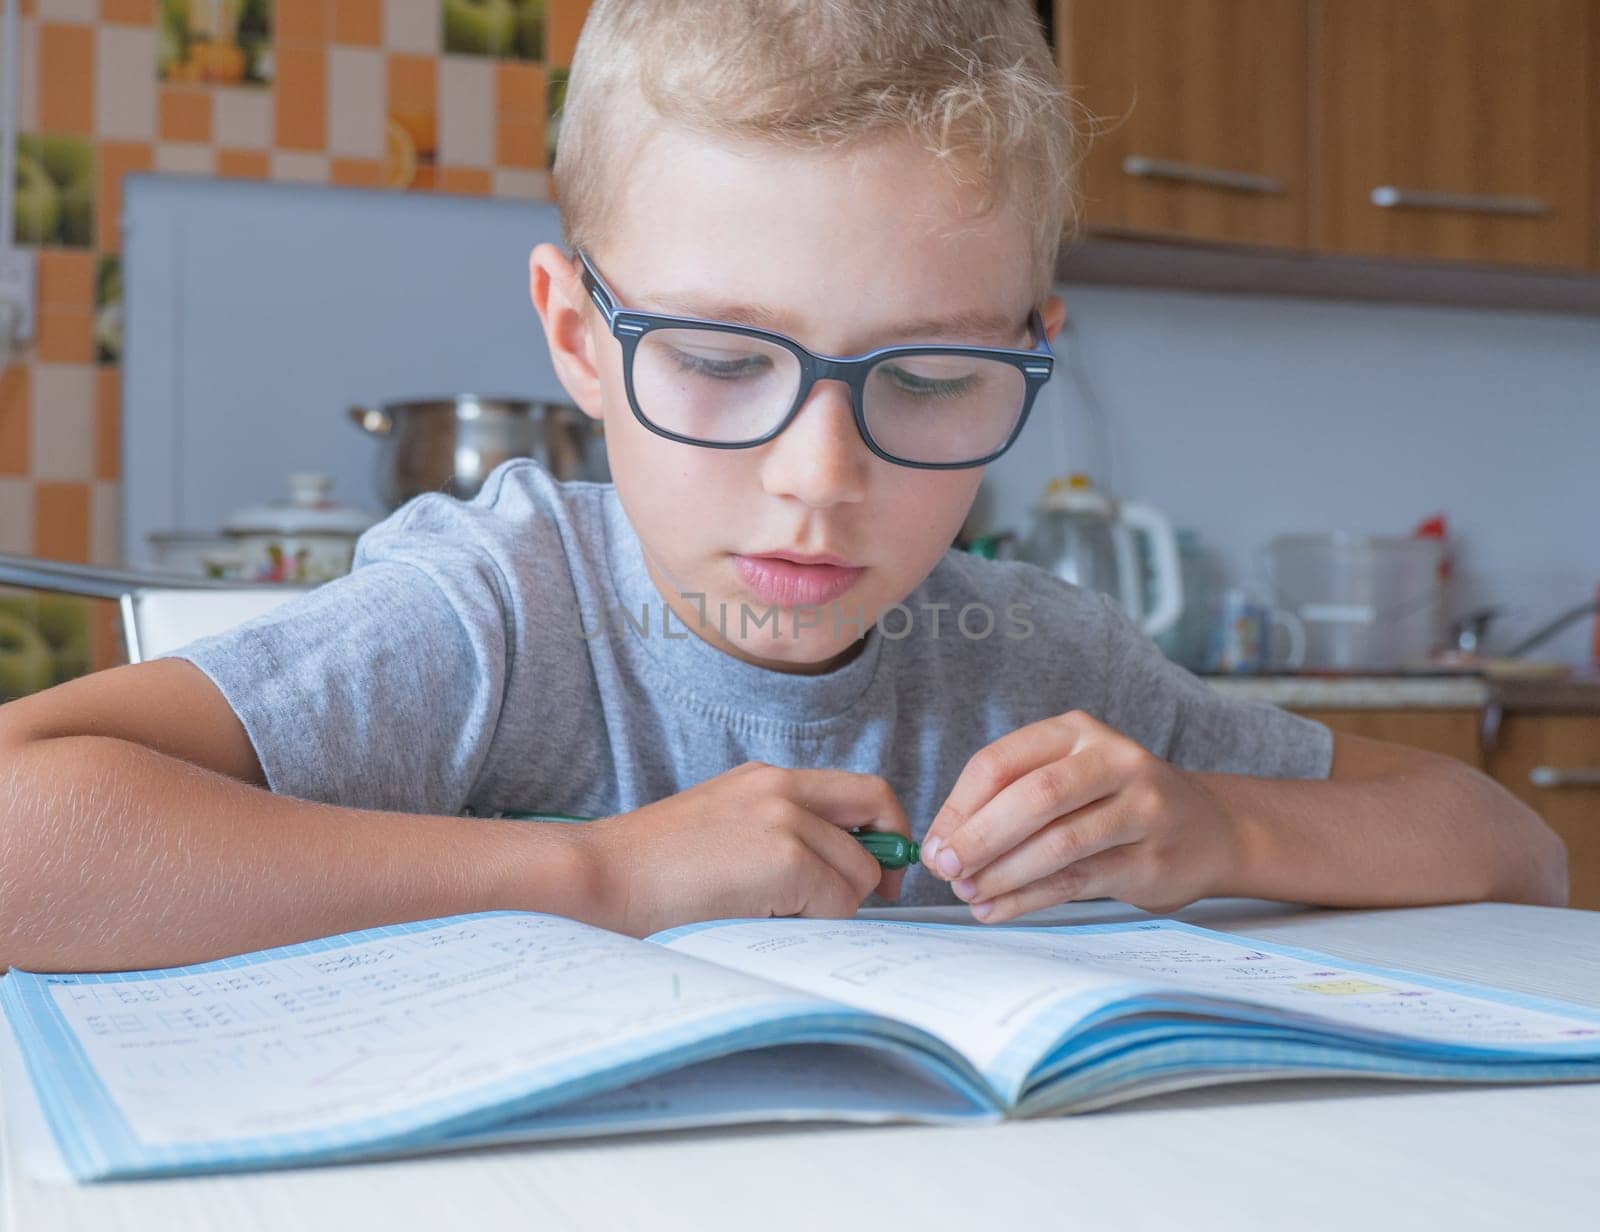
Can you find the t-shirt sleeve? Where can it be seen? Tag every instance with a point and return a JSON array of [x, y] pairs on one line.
[[381, 689], [1178, 716]]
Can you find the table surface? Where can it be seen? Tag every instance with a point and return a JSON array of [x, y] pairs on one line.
[[1294, 1154]]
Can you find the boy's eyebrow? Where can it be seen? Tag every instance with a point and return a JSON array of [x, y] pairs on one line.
[[965, 324]]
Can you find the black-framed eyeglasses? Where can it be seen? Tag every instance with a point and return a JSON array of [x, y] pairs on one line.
[[728, 386]]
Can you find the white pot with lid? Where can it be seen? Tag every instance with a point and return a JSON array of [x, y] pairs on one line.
[[308, 538]]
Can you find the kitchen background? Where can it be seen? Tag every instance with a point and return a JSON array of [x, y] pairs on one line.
[[1242, 416], [437, 96]]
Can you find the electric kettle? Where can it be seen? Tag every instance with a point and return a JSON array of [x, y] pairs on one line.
[[1083, 536]]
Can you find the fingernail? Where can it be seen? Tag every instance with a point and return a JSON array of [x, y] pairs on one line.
[[948, 864], [982, 911], [930, 851], [964, 888]]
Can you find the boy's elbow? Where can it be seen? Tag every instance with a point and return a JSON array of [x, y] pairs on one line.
[[1499, 848], [1531, 863], [1547, 859]]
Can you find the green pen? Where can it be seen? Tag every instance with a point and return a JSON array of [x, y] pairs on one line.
[[891, 851]]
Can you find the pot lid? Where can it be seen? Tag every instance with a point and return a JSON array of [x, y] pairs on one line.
[[1075, 494], [310, 510]]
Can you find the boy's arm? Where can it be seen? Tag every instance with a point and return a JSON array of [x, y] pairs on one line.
[[1068, 808], [1391, 826], [135, 831]]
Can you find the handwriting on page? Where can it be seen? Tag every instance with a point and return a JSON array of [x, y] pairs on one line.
[[313, 1039]]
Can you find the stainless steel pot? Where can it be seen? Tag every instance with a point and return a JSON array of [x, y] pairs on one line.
[[451, 444]]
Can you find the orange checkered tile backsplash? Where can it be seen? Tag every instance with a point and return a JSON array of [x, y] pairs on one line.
[[416, 95], [410, 95]]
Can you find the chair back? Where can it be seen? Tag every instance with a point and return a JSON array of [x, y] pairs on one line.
[[159, 612], [158, 621]]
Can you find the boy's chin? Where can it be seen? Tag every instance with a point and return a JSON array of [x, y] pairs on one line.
[[802, 656]]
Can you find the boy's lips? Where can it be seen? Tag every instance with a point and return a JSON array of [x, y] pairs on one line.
[[794, 579]]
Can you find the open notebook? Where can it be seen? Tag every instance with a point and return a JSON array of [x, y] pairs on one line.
[[510, 1026]]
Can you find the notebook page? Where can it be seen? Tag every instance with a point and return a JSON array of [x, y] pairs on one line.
[[1352, 998], [318, 1045], [944, 979], [1000, 994]]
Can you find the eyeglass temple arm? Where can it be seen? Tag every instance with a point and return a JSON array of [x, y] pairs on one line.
[[601, 294], [1036, 319]]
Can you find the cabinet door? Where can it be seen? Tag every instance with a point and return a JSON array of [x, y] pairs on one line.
[[1453, 128], [1552, 762], [1451, 732], [1202, 111]]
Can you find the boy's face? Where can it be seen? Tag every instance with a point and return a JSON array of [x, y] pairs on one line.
[[844, 252]]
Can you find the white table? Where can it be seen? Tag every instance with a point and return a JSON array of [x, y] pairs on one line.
[[1334, 1154]]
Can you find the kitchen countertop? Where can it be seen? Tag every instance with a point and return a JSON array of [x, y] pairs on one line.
[[1577, 693]]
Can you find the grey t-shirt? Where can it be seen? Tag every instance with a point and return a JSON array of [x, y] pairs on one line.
[[510, 653]]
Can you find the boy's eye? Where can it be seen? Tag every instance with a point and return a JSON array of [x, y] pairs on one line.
[[720, 365], [924, 386]]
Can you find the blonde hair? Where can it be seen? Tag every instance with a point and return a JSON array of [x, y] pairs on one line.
[[971, 80]]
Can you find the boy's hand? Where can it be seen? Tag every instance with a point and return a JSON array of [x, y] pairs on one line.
[[1067, 809], [757, 840]]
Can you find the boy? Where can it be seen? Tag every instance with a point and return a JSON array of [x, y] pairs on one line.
[[757, 640]]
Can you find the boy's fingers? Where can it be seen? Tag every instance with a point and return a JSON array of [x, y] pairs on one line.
[[850, 800], [812, 884], [1098, 876], [883, 812], [1062, 843], [1056, 789], [848, 858], [1001, 763], [824, 894]]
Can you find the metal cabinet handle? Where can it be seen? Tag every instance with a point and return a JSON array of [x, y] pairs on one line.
[[1555, 776], [1389, 197], [1188, 173]]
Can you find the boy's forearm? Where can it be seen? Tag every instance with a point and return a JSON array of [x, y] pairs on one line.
[[1441, 832], [114, 856]]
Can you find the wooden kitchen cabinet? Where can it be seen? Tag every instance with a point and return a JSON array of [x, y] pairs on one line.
[[1454, 733], [1552, 762], [1202, 115], [1458, 129]]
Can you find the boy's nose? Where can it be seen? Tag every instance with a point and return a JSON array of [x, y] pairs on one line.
[[820, 457]]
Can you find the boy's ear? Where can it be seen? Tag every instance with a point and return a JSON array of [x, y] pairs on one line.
[[557, 292], [1053, 312]]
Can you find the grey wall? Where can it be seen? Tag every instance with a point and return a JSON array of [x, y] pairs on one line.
[[1245, 417], [257, 313]]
